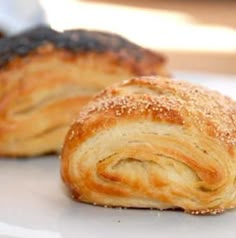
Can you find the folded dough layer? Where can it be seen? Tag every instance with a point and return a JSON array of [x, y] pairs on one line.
[[154, 143], [46, 76]]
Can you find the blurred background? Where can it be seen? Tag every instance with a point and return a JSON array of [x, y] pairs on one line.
[[195, 35]]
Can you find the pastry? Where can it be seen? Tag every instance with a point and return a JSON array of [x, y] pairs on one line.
[[154, 142], [46, 76]]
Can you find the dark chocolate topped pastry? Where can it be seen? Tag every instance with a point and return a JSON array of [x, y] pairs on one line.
[[46, 76], [75, 41]]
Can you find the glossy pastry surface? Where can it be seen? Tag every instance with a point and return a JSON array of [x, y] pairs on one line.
[[153, 142], [46, 76]]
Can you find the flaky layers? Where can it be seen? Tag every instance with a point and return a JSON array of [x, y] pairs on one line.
[[46, 76], [154, 143]]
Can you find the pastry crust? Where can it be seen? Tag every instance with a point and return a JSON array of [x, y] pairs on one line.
[[154, 142], [46, 76]]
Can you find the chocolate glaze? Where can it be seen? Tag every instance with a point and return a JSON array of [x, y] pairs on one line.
[[74, 40]]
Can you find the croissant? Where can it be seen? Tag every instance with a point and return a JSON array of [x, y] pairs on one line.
[[46, 76], [154, 142]]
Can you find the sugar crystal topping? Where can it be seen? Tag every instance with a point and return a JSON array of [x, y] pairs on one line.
[[207, 110]]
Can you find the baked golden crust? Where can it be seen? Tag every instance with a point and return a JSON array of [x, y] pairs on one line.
[[142, 61], [154, 142], [46, 76]]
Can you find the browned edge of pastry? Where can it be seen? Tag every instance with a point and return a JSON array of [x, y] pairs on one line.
[[75, 41]]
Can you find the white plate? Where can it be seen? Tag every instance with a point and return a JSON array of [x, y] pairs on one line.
[[33, 202]]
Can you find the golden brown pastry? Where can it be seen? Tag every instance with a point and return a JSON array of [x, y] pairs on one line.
[[153, 142], [46, 76]]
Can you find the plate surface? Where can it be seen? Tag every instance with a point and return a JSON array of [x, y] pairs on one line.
[[34, 204]]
